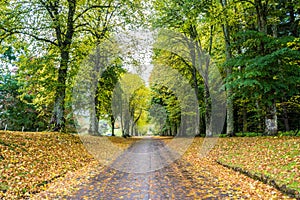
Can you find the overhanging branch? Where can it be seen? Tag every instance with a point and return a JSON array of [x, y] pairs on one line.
[[12, 32], [88, 9]]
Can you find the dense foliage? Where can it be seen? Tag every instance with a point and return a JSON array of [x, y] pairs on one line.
[[254, 45], [257, 54], [17, 111]]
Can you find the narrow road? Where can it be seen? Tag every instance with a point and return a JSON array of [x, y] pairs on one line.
[[146, 171]]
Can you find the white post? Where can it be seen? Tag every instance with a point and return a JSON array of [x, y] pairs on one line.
[[22, 128], [5, 127]]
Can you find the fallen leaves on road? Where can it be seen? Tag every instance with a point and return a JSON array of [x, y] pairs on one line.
[[106, 149]]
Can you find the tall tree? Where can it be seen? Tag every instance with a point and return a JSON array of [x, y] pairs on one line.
[[107, 84], [194, 47], [124, 92], [173, 92], [138, 105], [264, 62], [227, 39], [176, 15], [60, 25]]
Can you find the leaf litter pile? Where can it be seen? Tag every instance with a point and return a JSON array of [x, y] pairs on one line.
[[34, 163], [29, 162]]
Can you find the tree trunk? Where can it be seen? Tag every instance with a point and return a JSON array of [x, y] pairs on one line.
[[286, 118], [262, 12], [57, 122], [271, 120], [229, 115], [245, 123], [175, 130], [94, 120], [122, 120], [64, 42], [94, 123], [295, 29], [135, 121], [208, 122], [195, 59], [112, 121], [132, 129], [126, 124], [229, 101], [95, 74], [207, 97], [259, 118]]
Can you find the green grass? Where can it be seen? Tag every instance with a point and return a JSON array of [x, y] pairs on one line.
[[275, 157]]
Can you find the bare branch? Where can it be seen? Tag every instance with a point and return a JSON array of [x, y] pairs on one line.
[[47, 7], [12, 32], [88, 9], [80, 25]]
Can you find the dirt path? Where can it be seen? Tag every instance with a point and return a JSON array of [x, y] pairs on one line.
[[146, 171]]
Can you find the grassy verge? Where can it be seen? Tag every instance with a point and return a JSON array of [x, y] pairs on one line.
[[30, 161], [273, 160]]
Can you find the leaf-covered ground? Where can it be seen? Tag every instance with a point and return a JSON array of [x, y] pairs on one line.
[[274, 158], [187, 178], [59, 165], [192, 177], [30, 161], [250, 154]]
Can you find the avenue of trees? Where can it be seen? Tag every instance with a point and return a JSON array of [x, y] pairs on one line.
[[253, 44]]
